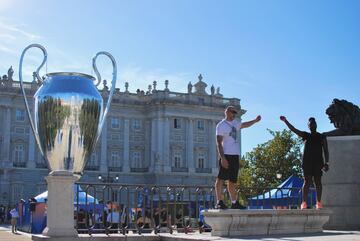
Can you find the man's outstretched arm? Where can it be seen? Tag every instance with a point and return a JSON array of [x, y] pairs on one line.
[[250, 123], [291, 127]]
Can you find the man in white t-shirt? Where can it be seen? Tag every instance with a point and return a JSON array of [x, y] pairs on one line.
[[229, 151], [14, 217]]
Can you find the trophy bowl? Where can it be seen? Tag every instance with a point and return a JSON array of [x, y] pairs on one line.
[[68, 115]]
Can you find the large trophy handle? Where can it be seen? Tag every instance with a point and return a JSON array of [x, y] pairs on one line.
[[23, 89], [113, 82]]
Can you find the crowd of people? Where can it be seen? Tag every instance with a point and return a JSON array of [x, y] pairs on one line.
[[116, 218]]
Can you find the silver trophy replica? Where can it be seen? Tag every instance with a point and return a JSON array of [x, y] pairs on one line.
[[68, 119]]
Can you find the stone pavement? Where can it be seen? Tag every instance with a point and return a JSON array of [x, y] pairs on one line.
[[6, 235]]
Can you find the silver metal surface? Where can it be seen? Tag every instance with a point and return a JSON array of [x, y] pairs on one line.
[[68, 116]]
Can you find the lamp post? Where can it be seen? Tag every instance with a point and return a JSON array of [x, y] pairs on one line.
[[107, 180]]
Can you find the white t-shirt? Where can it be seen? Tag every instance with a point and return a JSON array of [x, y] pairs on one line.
[[14, 213], [228, 130]]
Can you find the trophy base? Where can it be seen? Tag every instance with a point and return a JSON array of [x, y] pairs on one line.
[[61, 173], [60, 211]]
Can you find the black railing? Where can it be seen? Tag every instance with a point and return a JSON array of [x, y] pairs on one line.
[[128, 208]]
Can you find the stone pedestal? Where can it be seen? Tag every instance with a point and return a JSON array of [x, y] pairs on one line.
[[341, 184], [233, 222], [60, 210]]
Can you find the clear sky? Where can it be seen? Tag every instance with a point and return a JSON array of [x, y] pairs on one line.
[[278, 57]]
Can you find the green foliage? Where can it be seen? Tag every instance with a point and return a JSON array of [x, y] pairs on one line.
[[280, 155]]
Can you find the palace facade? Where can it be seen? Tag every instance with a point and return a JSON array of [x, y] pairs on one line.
[[155, 137]]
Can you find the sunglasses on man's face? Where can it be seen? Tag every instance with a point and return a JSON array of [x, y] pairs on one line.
[[233, 111]]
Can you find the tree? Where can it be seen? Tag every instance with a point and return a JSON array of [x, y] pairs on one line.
[[280, 155]]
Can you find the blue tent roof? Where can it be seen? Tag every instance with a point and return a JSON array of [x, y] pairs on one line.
[[287, 193], [83, 198]]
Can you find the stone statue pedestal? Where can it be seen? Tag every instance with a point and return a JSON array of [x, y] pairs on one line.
[[60, 210], [341, 184], [235, 222]]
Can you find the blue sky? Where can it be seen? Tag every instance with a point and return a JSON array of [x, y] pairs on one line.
[[278, 57]]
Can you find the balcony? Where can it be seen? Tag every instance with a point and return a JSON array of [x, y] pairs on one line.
[[115, 169], [19, 164], [179, 169], [203, 170], [40, 165], [92, 168], [139, 169]]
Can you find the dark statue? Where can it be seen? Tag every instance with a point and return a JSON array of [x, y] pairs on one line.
[[10, 73], [345, 116]]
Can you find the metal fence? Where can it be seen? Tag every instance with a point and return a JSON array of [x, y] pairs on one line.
[[123, 208]]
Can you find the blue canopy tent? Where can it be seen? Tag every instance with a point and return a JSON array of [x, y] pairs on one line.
[[287, 194], [83, 197], [35, 222]]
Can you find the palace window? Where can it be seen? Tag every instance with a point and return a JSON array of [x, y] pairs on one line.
[[177, 123], [200, 160], [115, 159], [177, 160], [20, 115], [201, 125], [17, 192], [115, 123], [19, 155], [136, 124], [92, 163], [136, 159]]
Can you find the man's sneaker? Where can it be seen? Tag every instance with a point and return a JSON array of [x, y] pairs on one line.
[[221, 205], [319, 205], [303, 205], [237, 205]]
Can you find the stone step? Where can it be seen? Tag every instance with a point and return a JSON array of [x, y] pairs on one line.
[[234, 222]]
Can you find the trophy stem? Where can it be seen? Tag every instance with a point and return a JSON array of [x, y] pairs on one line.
[[60, 210]]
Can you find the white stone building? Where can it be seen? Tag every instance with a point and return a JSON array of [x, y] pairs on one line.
[[152, 137]]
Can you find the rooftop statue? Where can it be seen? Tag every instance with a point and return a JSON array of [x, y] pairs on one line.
[[345, 116], [10, 73]]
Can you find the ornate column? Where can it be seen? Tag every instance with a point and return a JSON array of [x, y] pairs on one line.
[[212, 147], [160, 144], [147, 154], [154, 157], [190, 145], [31, 152], [6, 141], [126, 167], [103, 155], [165, 144]]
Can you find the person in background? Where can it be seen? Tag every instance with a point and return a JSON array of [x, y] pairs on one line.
[[2, 213], [14, 217]]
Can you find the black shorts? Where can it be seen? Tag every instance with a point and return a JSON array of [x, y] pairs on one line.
[[312, 169], [232, 172]]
